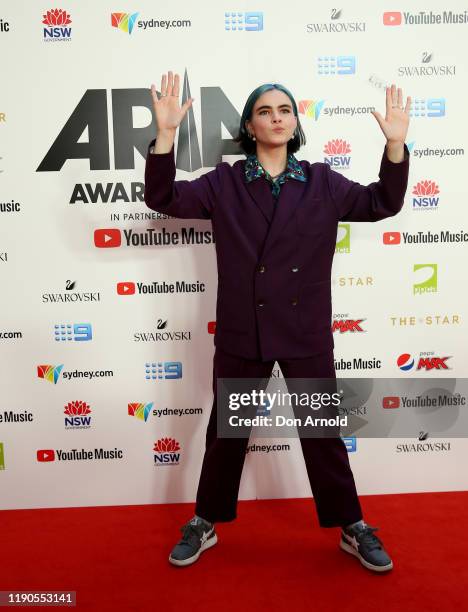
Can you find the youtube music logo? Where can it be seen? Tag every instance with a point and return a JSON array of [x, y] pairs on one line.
[[392, 18], [46, 455], [391, 237], [107, 238], [391, 401], [125, 288]]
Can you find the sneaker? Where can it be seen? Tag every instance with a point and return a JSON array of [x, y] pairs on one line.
[[198, 535], [361, 542]]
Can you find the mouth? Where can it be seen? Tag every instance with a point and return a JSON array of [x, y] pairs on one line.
[[278, 130]]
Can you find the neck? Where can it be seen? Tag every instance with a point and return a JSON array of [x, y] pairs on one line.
[[273, 159]]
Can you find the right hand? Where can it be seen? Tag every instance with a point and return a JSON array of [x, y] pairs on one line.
[[167, 110]]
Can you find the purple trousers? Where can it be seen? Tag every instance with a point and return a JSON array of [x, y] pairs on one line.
[[327, 463]]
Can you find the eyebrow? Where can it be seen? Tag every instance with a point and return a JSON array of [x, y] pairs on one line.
[[280, 106]]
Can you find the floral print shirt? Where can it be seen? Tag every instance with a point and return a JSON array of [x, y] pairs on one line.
[[254, 170]]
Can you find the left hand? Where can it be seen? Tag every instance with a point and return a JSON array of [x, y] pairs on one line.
[[395, 124]]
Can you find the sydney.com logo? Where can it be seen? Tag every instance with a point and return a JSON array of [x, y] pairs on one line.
[[126, 22], [52, 373]]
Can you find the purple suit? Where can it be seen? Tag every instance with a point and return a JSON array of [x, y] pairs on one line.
[[274, 267]]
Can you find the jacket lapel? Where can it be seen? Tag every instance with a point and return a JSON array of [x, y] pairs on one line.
[[290, 195], [260, 192]]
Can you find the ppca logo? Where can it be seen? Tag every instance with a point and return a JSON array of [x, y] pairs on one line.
[[165, 450], [343, 238], [426, 278]]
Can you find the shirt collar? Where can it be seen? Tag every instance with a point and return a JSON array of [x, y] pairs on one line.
[[254, 169]]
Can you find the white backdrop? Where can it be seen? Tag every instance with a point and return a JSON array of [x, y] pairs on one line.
[[90, 76]]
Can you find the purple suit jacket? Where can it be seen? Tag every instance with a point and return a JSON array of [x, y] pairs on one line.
[[274, 271]]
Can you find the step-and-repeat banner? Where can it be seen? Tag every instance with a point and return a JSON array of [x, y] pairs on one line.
[[107, 308]]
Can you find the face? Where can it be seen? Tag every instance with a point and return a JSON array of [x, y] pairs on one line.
[[273, 121]]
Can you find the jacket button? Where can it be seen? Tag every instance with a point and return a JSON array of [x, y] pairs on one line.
[[295, 269], [261, 269], [260, 303], [294, 302]]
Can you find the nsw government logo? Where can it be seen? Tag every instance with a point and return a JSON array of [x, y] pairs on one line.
[[165, 452], [337, 154], [56, 22], [77, 415], [426, 193]]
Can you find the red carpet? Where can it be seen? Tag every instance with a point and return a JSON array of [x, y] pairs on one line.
[[273, 557]]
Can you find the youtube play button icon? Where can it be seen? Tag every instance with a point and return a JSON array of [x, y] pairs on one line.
[[107, 238], [391, 237], [392, 18], [125, 288], [46, 455], [391, 401]]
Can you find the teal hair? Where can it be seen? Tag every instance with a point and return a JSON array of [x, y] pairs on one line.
[[246, 143]]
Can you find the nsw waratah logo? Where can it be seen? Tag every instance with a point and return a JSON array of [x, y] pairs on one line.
[[337, 153], [140, 411], [49, 372], [124, 21], [425, 193], [310, 108], [165, 450], [56, 22], [77, 415]]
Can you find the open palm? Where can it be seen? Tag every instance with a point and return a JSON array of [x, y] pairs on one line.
[[396, 121], [167, 109]]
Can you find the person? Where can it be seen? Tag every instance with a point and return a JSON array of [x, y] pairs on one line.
[[275, 220]]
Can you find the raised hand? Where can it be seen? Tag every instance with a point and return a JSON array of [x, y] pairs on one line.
[[395, 124], [167, 110]]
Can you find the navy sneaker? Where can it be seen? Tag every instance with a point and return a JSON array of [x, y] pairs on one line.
[[359, 540], [197, 536]]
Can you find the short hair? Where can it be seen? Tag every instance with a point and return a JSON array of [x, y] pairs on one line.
[[246, 143]]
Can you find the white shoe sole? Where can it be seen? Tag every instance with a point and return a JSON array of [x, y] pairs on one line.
[[182, 562], [375, 568]]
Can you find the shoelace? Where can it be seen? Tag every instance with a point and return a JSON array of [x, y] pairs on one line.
[[366, 536]]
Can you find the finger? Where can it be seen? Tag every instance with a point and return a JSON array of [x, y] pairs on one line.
[[163, 84], [394, 98], [154, 95], [187, 105], [388, 100], [400, 97], [170, 83], [175, 91], [380, 119], [408, 104]]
